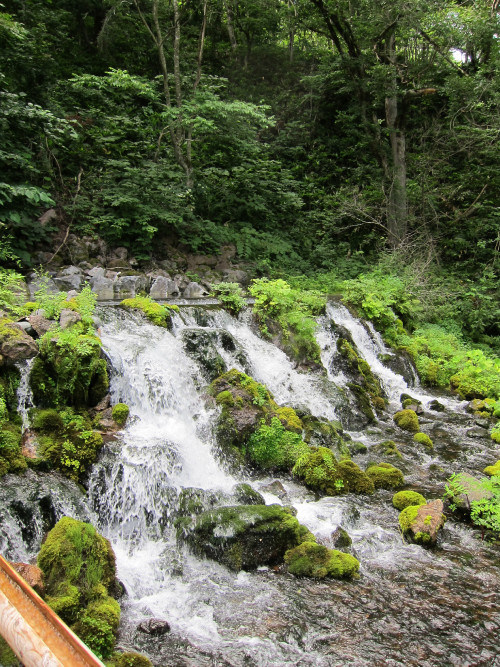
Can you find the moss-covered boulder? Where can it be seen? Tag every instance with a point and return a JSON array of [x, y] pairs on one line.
[[407, 420], [243, 537], [324, 433], [15, 344], [192, 501], [246, 495], [271, 447], [79, 572], [129, 659], [317, 468], [421, 523], [310, 559], [424, 439], [120, 413], [404, 499], [385, 476], [494, 470], [161, 315], [69, 370], [354, 479]]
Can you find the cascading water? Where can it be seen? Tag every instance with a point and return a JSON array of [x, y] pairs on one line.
[[410, 606]]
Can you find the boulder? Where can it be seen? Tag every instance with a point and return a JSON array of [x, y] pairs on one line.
[[194, 291], [276, 488], [68, 317], [36, 283], [436, 406], [404, 499], [407, 420], [69, 278], [32, 575], [154, 627], [421, 523], [385, 476], [130, 286], [242, 537], [103, 287], [15, 344], [314, 560], [163, 287], [40, 324]]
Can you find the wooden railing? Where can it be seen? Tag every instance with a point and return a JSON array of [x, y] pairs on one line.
[[34, 632]]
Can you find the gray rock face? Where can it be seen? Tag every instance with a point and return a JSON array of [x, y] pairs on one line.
[[194, 291], [69, 279], [129, 286], [37, 283], [97, 272], [68, 318], [103, 287], [16, 345], [236, 276], [162, 288]]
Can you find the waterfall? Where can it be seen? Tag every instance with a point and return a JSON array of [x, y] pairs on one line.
[[24, 393]]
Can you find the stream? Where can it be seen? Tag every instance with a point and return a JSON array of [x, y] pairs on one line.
[[410, 606]]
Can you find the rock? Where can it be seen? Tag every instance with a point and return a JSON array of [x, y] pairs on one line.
[[425, 440], [69, 278], [119, 253], [245, 495], [103, 287], [340, 538], [202, 347], [236, 276], [130, 286], [26, 327], [68, 317], [421, 523], [162, 288], [41, 324], [97, 272], [436, 406], [154, 627], [242, 537], [476, 432], [48, 216], [480, 405], [194, 291], [36, 283], [193, 501], [323, 433], [317, 561], [404, 499], [385, 476], [482, 423], [401, 364], [276, 488], [32, 574], [15, 344]]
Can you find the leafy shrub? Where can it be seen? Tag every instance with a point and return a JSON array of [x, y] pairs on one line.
[[12, 291], [272, 447], [230, 295]]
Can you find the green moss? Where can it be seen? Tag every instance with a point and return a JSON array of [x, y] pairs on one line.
[[388, 448], [423, 439], [361, 368], [129, 659], [156, 313], [245, 495], [47, 421], [290, 420], [354, 479], [318, 470], [493, 470], [11, 458], [69, 370], [75, 556], [120, 413], [385, 476], [272, 447], [310, 559], [363, 400], [224, 398], [407, 517], [404, 499], [407, 420], [323, 433]]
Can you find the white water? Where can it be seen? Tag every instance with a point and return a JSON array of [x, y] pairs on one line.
[[24, 393]]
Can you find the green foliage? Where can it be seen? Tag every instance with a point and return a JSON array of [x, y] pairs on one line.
[[486, 511], [272, 447], [293, 310], [318, 469], [230, 295], [156, 313], [12, 291]]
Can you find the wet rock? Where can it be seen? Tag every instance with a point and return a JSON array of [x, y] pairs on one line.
[[385, 476], [323, 433], [407, 420], [404, 499], [154, 627], [340, 538], [422, 523], [202, 346], [476, 432], [32, 574], [317, 561], [242, 537], [436, 406], [41, 324], [276, 488], [103, 403], [15, 344], [401, 364], [68, 317], [193, 501], [245, 495], [482, 423], [480, 405]]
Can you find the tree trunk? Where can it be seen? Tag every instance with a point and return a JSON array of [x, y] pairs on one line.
[[397, 205]]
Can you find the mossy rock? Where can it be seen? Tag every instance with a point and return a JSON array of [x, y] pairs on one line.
[[97, 625], [9, 383], [357, 447], [310, 559], [69, 370], [354, 479], [361, 368], [272, 447], [161, 315], [317, 468], [421, 523], [404, 499], [323, 433], [120, 413], [290, 419], [76, 563], [129, 659], [194, 501], [11, 458], [202, 347], [388, 448], [424, 439], [341, 538], [407, 420], [363, 401], [246, 495], [47, 421], [243, 537], [493, 470], [385, 476]]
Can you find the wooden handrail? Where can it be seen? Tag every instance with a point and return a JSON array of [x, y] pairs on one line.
[[34, 632]]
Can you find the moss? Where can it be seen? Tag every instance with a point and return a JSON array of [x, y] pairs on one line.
[[385, 476], [245, 495], [11, 458], [407, 420], [310, 559], [225, 398], [47, 421], [290, 420], [388, 448], [129, 659], [273, 448], [75, 556], [407, 517], [323, 433], [361, 368], [156, 313], [69, 370], [354, 479], [493, 470], [423, 439], [363, 400], [356, 447], [120, 413], [7, 656], [318, 469], [404, 499]]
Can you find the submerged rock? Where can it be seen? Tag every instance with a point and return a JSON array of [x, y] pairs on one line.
[[421, 523], [243, 537]]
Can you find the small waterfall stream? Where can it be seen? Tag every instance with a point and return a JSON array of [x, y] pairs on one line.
[[411, 606]]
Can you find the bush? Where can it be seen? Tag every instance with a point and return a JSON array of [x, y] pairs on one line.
[[272, 447], [120, 413], [230, 295]]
